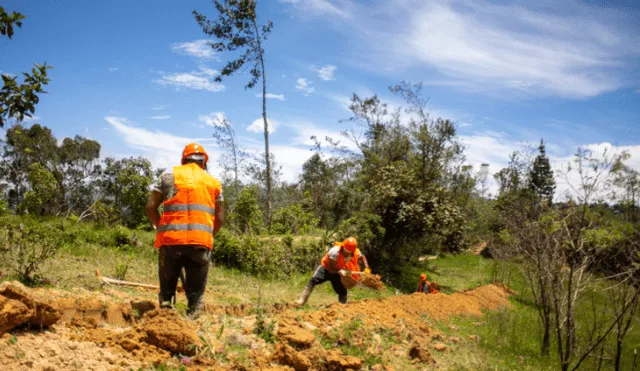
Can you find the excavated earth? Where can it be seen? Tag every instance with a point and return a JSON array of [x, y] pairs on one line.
[[47, 329]]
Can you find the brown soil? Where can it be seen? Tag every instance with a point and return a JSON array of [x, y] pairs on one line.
[[94, 331], [372, 281]]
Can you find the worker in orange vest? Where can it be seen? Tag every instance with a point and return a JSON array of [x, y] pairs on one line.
[[342, 259], [192, 214], [425, 286]]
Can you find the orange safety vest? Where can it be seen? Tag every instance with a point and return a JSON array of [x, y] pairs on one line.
[[351, 265], [431, 289], [188, 217]]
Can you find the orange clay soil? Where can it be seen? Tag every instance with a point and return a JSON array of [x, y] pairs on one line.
[[46, 329]]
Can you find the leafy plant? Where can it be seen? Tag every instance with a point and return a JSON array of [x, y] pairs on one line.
[[26, 249]]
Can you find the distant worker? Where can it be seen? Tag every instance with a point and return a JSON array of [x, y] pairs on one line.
[[192, 214], [342, 259], [426, 286]]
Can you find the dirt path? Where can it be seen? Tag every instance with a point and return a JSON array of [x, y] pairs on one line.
[[93, 331]]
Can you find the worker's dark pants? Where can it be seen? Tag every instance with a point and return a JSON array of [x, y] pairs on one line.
[[322, 275], [195, 261]]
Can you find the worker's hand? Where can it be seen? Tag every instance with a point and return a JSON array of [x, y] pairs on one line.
[[367, 270], [344, 272]]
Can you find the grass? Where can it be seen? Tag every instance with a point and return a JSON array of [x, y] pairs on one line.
[[508, 339]]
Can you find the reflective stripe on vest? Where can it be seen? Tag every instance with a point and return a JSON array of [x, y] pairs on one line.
[[185, 227], [189, 207]]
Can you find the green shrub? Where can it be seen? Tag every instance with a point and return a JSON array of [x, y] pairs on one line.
[[266, 256], [293, 219], [26, 248]]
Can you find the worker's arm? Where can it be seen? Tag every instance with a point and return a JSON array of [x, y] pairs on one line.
[[366, 263], [155, 200], [217, 224]]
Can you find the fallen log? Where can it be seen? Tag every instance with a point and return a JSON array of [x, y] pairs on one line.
[[113, 281]]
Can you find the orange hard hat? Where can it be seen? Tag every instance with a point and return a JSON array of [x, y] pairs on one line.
[[350, 244], [194, 149], [423, 277]]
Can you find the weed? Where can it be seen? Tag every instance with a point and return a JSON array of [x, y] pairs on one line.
[[13, 340]]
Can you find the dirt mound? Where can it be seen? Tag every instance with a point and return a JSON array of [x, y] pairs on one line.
[[167, 330], [408, 309], [295, 335], [54, 351], [372, 281], [20, 305], [422, 355], [286, 355], [91, 311], [159, 334]]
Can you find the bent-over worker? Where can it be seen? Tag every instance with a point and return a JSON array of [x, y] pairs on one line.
[[342, 259], [425, 286], [192, 214]]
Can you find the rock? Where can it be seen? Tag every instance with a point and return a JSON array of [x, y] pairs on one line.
[[13, 313], [440, 347], [455, 339], [417, 353], [286, 355], [437, 336], [474, 337], [336, 361], [45, 313], [295, 336]]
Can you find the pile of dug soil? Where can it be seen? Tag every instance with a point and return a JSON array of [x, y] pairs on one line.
[[52, 350], [19, 306], [408, 309]]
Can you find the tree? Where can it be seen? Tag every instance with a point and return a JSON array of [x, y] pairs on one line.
[[19, 100], [236, 28], [232, 160], [541, 180], [125, 186]]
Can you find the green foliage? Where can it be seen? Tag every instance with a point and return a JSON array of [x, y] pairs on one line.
[[39, 199], [247, 212], [293, 219], [26, 248], [7, 20], [266, 256], [18, 101], [125, 186], [541, 180]]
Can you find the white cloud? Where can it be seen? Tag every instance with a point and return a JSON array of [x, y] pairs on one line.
[[272, 96], [159, 108], [340, 8], [212, 119], [31, 119], [163, 117], [113, 69], [304, 86], [571, 50], [325, 73], [304, 130], [257, 126], [198, 48], [197, 80], [161, 148]]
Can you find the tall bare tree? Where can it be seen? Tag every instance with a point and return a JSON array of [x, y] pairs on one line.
[[236, 28]]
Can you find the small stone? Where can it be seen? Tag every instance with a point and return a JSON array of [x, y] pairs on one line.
[[440, 347], [474, 337], [455, 339]]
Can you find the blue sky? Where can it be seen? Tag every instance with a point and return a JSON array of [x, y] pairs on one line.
[[138, 75]]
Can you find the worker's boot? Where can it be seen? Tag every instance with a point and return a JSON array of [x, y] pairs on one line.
[[305, 295], [342, 299]]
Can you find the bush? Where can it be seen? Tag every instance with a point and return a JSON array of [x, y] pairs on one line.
[[293, 219], [266, 256], [25, 249]]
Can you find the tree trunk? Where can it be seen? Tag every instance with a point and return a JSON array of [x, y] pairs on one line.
[[266, 124], [546, 335], [618, 354]]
